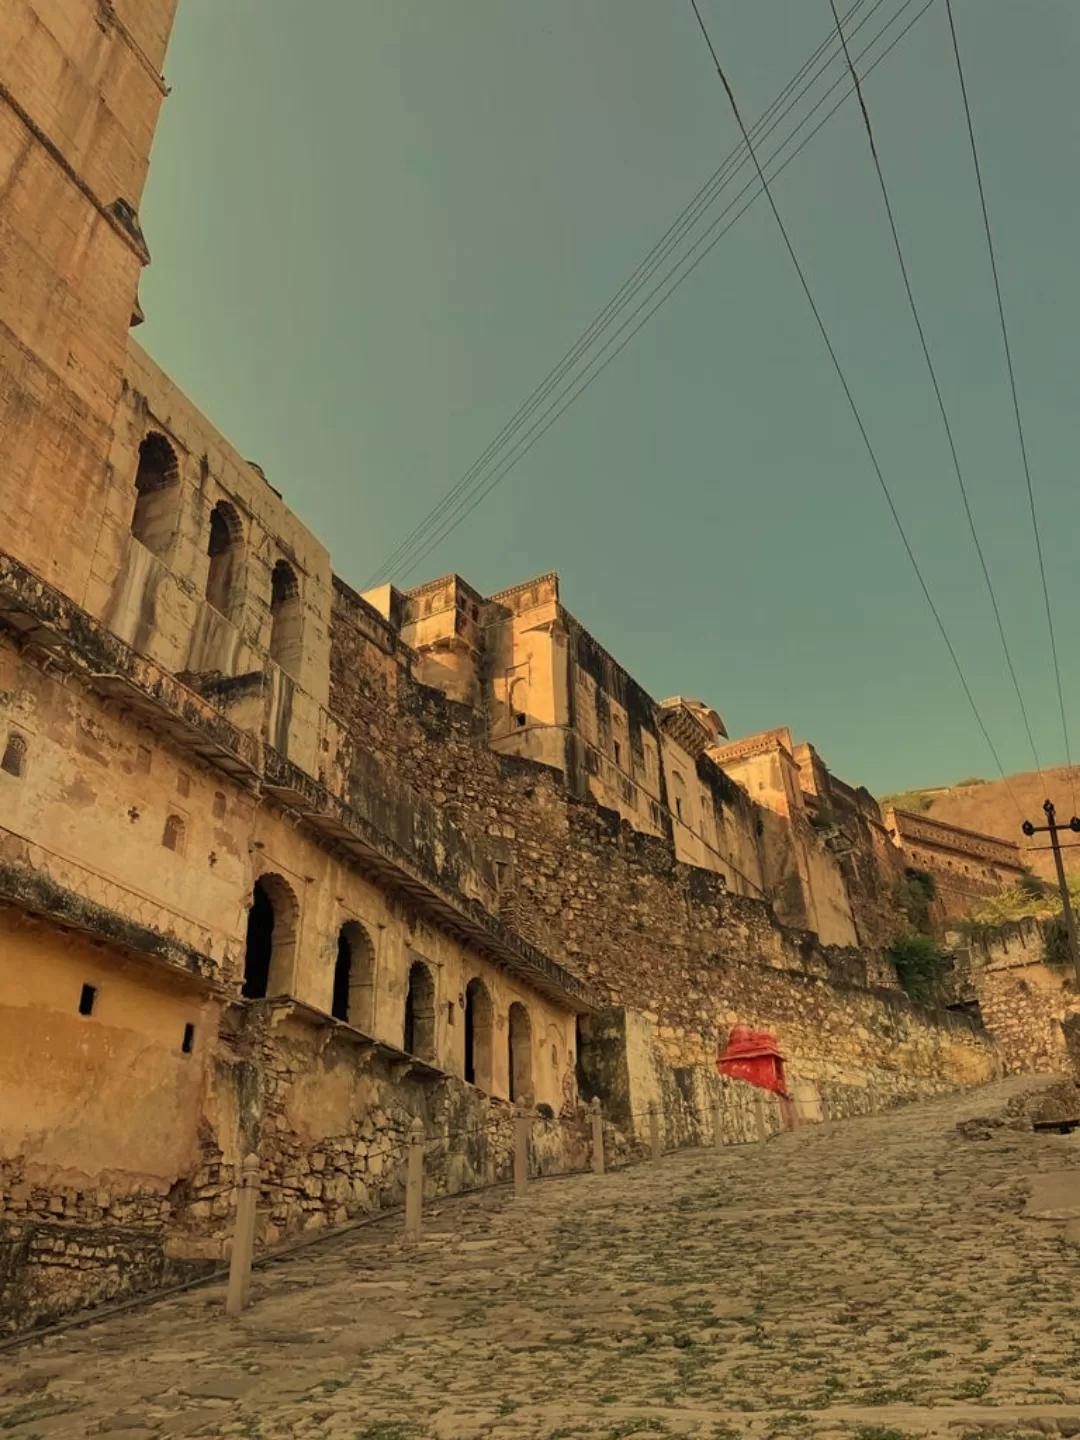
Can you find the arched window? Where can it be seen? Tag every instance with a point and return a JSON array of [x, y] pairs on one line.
[[173, 836], [225, 549], [354, 978], [285, 618], [14, 761], [271, 938], [479, 1025], [420, 1012], [521, 1081], [157, 482]]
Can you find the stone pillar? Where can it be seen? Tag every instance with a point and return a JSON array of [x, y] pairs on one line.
[[243, 1237], [522, 1121], [414, 1182], [597, 1138], [759, 1116], [717, 1134], [654, 1132]]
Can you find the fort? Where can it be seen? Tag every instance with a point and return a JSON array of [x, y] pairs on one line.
[[283, 866]]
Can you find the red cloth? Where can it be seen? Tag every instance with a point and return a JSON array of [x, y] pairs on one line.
[[754, 1056]]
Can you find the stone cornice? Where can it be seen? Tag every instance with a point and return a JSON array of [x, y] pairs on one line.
[[952, 837]]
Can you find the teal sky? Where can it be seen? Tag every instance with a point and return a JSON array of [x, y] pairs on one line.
[[377, 224]]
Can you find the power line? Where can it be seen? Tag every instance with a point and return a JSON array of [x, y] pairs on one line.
[[934, 380], [851, 402], [687, 217], [686, 220], [467, 504], [1012, 387]]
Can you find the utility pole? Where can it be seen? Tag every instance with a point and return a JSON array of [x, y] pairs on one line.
[[1052, 827]]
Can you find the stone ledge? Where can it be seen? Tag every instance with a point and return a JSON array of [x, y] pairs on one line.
[[40, 895]]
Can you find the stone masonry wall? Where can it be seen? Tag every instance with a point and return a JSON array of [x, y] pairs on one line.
[[1026, 1004], [657, 937]]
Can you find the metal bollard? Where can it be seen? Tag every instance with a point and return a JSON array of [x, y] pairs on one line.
[[522, 1121], [243, 1238], [759, 1113], [414, 1182], [654, 1132], [597, 1138], [717, 1137]]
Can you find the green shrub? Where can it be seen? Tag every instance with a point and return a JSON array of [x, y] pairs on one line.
[[921, 964], [915, 895], [1030, 884]]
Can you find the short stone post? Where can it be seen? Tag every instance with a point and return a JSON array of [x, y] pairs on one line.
[[522, 1120], [414, 1182], [243, 1238], [759, 1115], [823, 1105], [654, 1132], [597, 1138], [871, 1096], [717, 1135]]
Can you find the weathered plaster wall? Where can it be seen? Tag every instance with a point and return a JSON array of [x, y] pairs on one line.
[[79, 98]]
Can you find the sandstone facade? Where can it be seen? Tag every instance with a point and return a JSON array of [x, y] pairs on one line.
[[283, 867], [967, 866]]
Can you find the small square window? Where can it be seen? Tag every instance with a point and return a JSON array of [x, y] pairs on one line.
[[618, 753], [520, 719], [183, 783], [188, 1043], [450, 1013], [87, 999]]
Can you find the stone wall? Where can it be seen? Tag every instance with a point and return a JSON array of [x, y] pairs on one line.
[[1030, 1007], [328, 1115]]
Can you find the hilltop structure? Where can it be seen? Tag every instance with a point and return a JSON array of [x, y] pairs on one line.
[[283, 866]]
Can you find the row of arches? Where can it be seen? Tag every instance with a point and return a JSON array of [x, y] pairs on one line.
[[272, 929], [480, 1037], [153, 524]]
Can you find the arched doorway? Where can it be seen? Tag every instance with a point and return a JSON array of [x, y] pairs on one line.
[[520, 1037], [285, 618], [157, 481], [354, 978], [225, 549], [420, 1012], [271, 938], [479, 1025]]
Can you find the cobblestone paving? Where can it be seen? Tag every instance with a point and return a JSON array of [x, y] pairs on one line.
[[868, 1279]]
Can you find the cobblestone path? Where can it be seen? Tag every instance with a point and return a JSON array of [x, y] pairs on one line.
[[869, 1279]]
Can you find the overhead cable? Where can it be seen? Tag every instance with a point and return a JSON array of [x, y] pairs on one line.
[[934, 381], [684, 223], [687, 263], [852, 403], [1012, 388]]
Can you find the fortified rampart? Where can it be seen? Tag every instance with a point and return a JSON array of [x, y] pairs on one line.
[[283, 868], [1028, 1002], [967, 866]]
